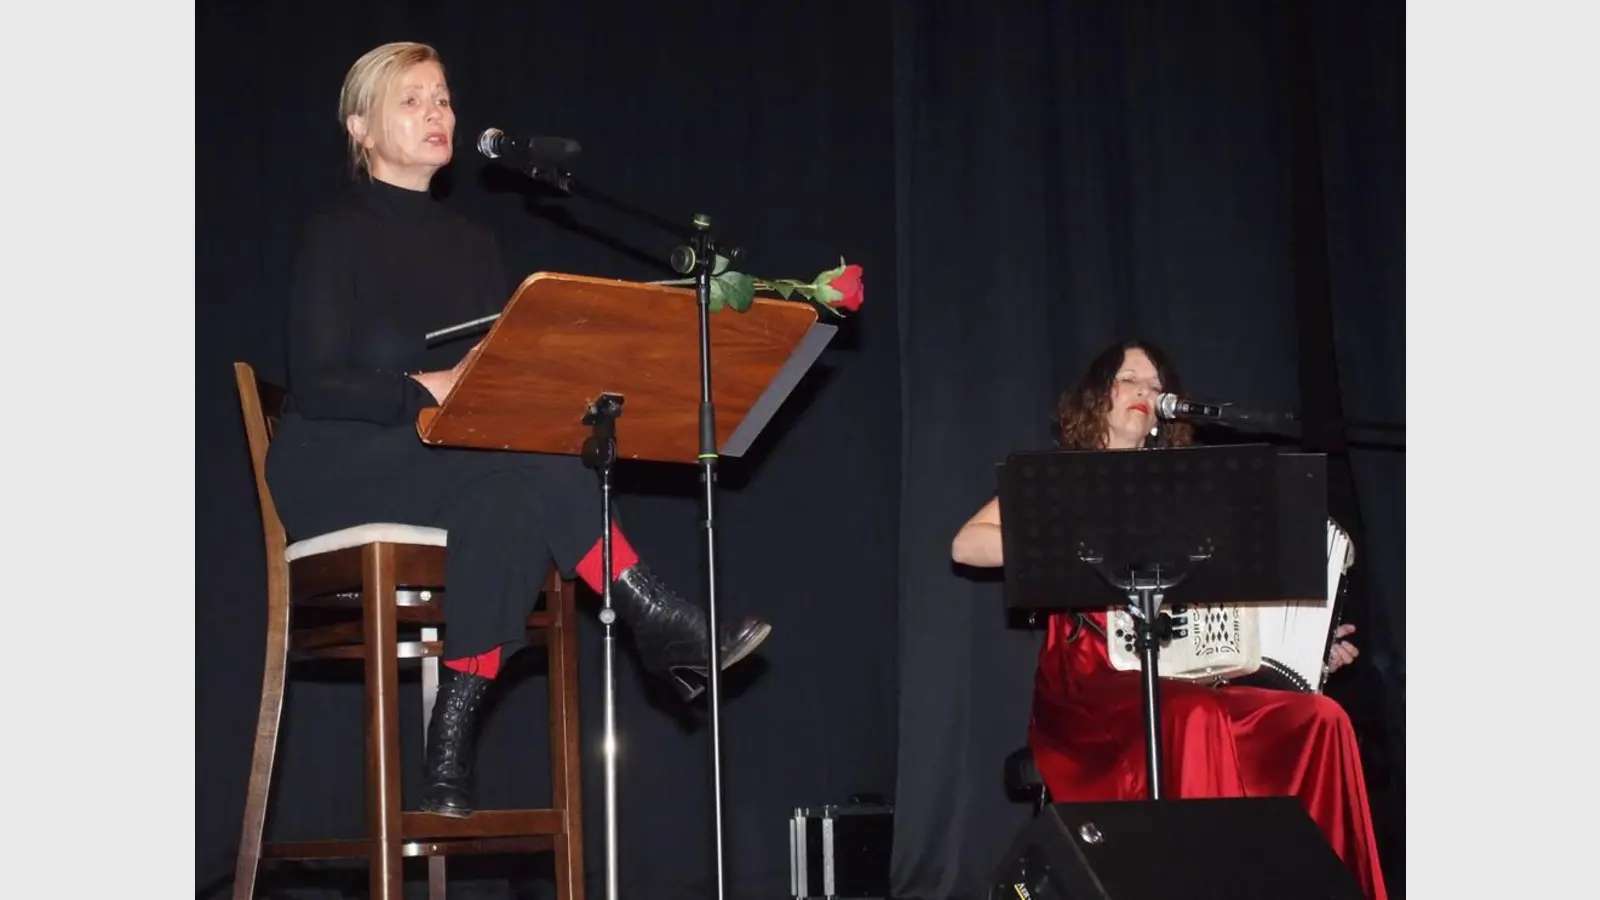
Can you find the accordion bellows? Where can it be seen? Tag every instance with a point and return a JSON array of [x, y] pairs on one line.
[[1287, 641]]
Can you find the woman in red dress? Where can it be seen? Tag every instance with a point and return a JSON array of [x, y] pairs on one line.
[[1087, 727]]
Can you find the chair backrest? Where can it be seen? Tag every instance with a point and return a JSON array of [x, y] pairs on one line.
[[262, 405]]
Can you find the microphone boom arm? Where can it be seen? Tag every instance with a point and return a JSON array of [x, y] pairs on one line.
[[1171, 407], [562, 180], [696, 239]]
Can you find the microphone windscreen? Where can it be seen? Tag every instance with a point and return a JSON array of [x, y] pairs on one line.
[[489, 142]]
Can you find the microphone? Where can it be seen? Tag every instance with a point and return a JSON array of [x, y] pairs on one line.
[[496, 144], [1171, 407]]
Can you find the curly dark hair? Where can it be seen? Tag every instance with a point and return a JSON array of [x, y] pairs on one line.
[[1081, 411]]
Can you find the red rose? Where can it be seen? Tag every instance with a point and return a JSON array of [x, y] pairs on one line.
[[848, 284]]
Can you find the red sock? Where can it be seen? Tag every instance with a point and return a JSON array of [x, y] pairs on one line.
[[484, 665], [622, 557]]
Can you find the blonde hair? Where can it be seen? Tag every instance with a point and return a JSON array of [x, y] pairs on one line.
[[367, 82]]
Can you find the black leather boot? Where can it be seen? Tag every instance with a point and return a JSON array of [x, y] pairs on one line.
[[671, 633], [452, 733]]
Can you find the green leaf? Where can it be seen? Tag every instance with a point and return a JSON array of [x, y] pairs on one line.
[[734, 290], [741, 291], [788, 287], [719, 264]]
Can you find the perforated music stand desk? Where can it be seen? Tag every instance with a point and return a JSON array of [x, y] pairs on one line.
[[1087, 530]]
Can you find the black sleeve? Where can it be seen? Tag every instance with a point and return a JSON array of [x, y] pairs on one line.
[[323, 380]]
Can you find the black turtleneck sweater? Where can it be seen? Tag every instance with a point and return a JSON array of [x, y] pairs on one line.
[[377, 272]]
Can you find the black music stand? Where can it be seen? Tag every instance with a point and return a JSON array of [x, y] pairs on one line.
[[1093, 529]]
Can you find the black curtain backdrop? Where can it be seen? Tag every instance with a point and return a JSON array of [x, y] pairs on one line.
[[1221, 177], [1022, 182]]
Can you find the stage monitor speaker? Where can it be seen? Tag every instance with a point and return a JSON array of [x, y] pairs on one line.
[[1257, 848]]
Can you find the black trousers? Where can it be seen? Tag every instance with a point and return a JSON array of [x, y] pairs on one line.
[[509, 514]]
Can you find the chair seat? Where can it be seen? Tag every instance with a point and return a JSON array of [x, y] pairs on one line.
[[370, 533], [1022, 775]]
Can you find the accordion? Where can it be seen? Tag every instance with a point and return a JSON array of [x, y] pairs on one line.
[[1283, 644]]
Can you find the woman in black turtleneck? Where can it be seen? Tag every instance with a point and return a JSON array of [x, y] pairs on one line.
[[381, 269]]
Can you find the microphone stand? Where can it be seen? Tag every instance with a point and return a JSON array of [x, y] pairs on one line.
[[1391, 434], [1263, 422], [696, 256], [1348, 424]]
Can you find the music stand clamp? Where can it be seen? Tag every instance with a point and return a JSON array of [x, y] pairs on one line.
[[1088, 530], [1145, 586]]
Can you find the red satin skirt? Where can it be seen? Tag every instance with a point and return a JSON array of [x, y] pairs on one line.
[[1087, 735]]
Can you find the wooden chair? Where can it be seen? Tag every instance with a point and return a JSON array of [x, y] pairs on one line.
[[1023, 780], [384, 575]]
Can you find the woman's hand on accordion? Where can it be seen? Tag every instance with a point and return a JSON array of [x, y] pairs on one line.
[[1343, 652]]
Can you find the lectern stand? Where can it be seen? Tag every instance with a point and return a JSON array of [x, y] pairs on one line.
[[1086, 530], [569, 356]]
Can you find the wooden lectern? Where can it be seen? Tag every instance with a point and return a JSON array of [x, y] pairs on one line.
[[564, 340], [569, 355]]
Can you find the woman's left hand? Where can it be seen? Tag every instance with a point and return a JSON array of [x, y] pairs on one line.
[[1343, 652]]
